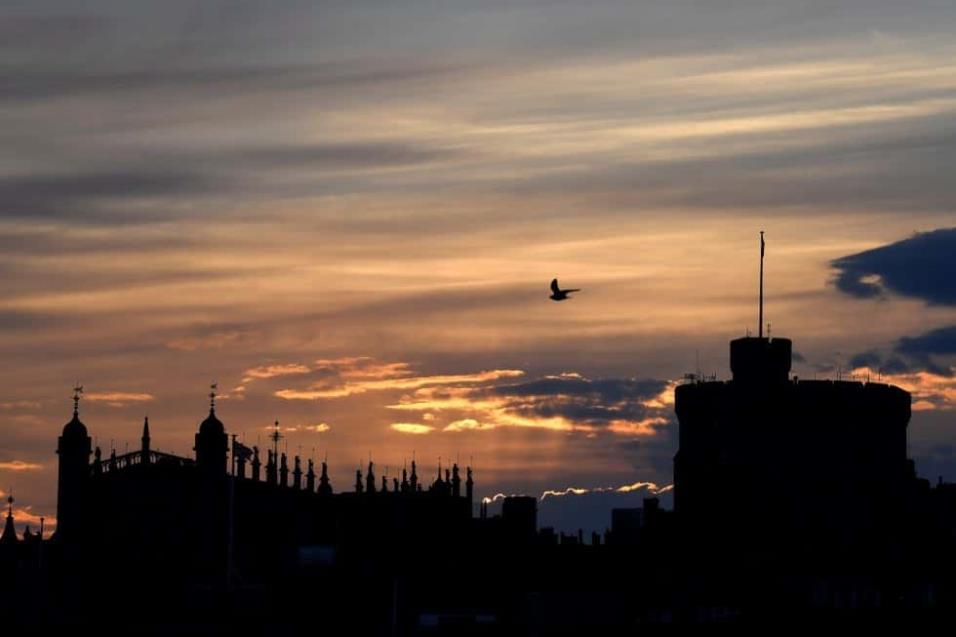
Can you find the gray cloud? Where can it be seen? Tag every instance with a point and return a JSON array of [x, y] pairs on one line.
[[913, 353], [584, 401], [30, 84], [342, 156], [85, 198], [922, 266]]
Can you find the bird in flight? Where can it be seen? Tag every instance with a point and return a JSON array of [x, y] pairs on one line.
[[557, 294]]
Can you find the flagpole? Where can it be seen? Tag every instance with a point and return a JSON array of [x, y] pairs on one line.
[[760, 319]]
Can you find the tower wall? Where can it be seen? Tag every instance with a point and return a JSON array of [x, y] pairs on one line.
[[73, 449]]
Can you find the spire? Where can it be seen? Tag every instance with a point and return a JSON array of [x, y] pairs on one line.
[[9, 530], [414, 481], [404, 480], [358, 480], [145, 440], [212, 397]]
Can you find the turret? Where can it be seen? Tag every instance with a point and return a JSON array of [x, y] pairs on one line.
[[405, 485], [272, 471], [760, 360], [73, 449], [241, 455], [310, 477], [370, 479], [414, 480], [469, 490], [97, 462], [455, 481], [325, 487], [256, 463], [284, 471], [297, 474], [358, 481], [439, 485]]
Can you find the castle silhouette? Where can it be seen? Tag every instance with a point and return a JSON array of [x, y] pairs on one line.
[[794, 501]]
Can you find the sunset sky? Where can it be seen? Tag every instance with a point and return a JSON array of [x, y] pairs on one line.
[[348, 213]]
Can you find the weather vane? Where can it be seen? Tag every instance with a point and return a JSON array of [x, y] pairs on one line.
[[77, 390]]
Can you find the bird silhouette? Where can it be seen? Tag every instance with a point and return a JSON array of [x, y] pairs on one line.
[[557, 294]]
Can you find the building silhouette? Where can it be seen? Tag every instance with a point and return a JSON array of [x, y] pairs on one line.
[[794, 502], [792, 498], [765, 457]]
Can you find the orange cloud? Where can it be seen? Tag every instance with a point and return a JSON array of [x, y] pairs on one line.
[[467, 424], [381, 371], [217, 340], [411, 428], [930, 391], [118, 397], [663, 400], [20, 404], [272, 371], [361, 374], [312, 394], [483, 413], [639, 428], [19, 465]]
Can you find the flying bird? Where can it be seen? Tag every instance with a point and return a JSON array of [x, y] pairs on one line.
[[557, 294]]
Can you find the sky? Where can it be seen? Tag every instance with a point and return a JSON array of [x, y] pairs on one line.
[[347, 215]]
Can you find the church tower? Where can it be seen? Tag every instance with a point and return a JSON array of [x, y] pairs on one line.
[[74, 449]]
